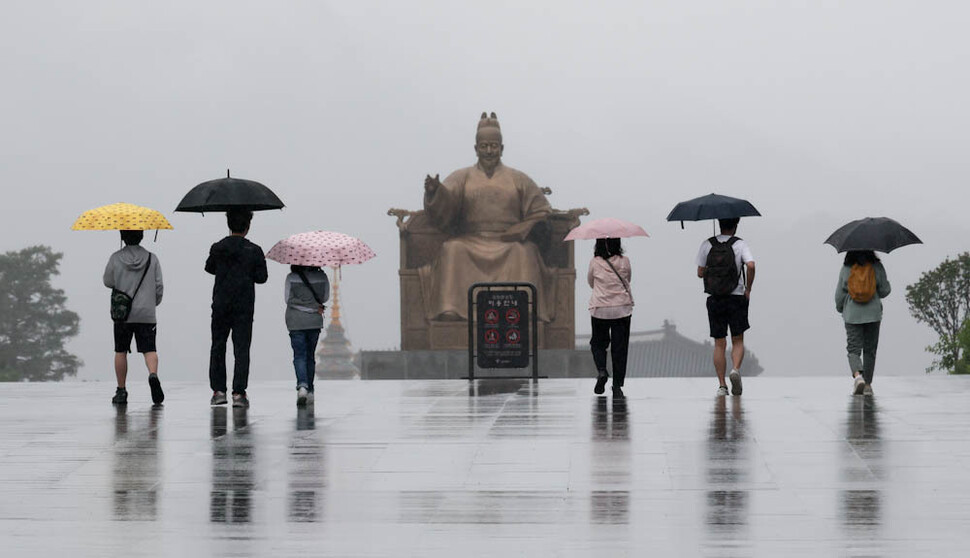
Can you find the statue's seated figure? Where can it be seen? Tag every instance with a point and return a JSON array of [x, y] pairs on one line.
[[484, 223]]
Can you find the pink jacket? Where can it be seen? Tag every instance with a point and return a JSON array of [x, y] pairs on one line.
[[607, 288]]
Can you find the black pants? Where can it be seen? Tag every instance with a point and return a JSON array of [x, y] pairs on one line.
[[605, 333], [241, 327]]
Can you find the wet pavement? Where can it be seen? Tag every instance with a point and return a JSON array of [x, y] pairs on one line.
[[795, 467]]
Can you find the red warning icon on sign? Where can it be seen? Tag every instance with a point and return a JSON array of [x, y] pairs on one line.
[[491, 336], [513, 336], [512, 316], [491, 316]]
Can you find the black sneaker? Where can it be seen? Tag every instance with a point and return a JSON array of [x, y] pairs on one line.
[[600, 384], [240, 400], [121, 397], [218, 398], [157, 394], [618, 392]]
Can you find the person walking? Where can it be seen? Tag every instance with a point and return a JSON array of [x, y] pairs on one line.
[[238, 265], [135, 272], [862, 285], [305, 291], [610, 309], [726, 265]]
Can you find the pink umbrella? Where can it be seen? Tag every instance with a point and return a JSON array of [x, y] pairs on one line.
[[320, 248], [605, 228]]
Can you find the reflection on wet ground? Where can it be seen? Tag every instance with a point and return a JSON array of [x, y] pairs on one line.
[[861, 505], [135, 474], [231, 496], [795, 467], [728, 466], [306, 478]]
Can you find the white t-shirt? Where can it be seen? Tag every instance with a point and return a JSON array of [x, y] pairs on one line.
[[742, 255]]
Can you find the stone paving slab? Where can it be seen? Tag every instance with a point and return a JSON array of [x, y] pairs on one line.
[[795, 467]]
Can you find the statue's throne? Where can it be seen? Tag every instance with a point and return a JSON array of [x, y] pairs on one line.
[[420, 244]]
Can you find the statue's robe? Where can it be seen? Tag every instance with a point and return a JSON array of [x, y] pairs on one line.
[[490, 219]]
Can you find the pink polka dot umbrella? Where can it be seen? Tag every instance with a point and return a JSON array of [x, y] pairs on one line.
[[320, 248]]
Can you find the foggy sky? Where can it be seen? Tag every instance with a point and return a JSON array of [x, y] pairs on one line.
[[818, 113]]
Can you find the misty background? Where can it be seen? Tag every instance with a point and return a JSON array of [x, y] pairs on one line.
[[818, 113]]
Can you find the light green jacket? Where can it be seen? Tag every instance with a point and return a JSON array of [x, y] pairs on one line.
[[854, 312]]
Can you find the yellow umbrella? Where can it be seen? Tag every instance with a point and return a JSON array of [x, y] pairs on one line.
[[121, 217]]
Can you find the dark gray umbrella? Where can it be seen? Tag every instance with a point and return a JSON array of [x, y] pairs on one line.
[[223, 194], [880, 234], [711, 206]]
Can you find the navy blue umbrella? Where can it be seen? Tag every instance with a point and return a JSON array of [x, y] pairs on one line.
[[880, 234], [224, 194], [711, 206]]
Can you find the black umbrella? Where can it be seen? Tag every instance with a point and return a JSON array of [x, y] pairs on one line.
[[881, 234], [711, 206], [223, 194]]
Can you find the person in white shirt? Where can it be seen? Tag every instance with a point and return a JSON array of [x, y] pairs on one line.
[[728, 276]]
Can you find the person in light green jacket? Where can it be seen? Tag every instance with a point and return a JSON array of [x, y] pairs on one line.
[[861, 319]]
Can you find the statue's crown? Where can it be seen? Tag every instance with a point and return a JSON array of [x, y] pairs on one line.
[[488, 121]]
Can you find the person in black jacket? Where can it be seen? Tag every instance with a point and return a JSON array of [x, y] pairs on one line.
[[238, 265]]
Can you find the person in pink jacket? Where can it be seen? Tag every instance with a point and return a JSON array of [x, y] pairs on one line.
[[610, 309]]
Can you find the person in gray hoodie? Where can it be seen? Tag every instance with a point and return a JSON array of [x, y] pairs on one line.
[[305, 291], [124, 272]]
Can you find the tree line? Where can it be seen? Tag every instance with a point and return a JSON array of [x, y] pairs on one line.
[[34, 319], [941, 300]]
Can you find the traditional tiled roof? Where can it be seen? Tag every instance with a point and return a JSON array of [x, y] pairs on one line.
[[665, 353]]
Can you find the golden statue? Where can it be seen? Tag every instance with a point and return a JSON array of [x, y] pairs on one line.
[[490, 210], [484, 223]]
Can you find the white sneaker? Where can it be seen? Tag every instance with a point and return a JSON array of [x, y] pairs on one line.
[[858, 385], [309, 398], [722, 390], [867, 390], [301, 395], [735, 377]]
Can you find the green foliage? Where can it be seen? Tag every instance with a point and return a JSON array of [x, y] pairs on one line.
[[941, 299], [963, 339], [34, 323]]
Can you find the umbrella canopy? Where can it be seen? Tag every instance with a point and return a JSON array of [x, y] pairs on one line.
[[223, 194], [605, 228], [880, 234], [320, 248], [120, 217], [712, 206]]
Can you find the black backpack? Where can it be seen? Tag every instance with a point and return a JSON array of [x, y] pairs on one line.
[[722, 273]]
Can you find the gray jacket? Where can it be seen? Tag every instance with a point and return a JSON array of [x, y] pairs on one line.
[[301, 307], [124, 271], [854, 312]]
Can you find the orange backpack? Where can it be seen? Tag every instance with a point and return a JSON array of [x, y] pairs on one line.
[[862, 283]]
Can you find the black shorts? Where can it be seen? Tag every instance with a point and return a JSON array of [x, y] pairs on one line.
[[725, 312], [144, 337]]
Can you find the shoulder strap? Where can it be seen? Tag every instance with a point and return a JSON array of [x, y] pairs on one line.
[[309, 286], [732, 240], [143, 274], [622, 282]]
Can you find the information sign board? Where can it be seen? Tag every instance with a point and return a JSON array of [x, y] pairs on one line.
[[503, 328]]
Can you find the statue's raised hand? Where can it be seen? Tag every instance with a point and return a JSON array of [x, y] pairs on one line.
[[431, 185]]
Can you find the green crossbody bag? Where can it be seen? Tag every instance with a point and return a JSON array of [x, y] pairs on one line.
[[121, 302]]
